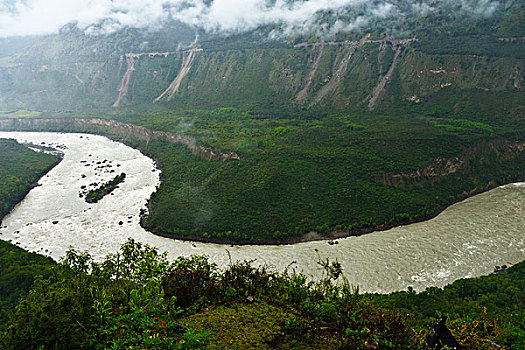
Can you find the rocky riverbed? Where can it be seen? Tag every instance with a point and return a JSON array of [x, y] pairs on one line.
[[467, 239]]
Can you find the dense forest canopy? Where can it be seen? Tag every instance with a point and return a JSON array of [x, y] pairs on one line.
[[20, 167], [270, 121]]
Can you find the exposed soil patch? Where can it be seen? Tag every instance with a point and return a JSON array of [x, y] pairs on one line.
[[173, 89], [318, 53]]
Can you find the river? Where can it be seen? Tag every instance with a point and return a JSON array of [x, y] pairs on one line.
[[468, 239]]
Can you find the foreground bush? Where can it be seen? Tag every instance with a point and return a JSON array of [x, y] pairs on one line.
[[115, 304], [134, 298], [137, 299]]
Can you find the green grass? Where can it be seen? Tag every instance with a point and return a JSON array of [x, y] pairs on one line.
[[255, 326], [19, 114], [461, 126]]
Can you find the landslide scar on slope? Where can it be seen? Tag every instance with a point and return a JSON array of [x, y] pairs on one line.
[[340, 67], [187, 61], [381, 86], [397, 45], [131, 60], [318, 50]]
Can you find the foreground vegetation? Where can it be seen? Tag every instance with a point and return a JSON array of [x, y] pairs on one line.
[[138, 299]]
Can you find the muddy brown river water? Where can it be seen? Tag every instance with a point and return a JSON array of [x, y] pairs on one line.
[[466, 240]]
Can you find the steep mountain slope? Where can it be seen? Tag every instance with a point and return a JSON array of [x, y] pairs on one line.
[[339, 74], [324, 136], [130, 69]]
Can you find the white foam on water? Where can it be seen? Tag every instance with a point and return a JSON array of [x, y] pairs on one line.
[[467, 239]]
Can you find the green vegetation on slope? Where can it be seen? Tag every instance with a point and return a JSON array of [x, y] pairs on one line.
[[19, 169], [137, 299], [18, 271], [302, 172], [498, 296]]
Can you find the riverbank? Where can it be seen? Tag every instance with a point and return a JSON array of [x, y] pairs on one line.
[[334, 235], [35, 167], [29, 188], [464, 240], [115, 130], [149, 143]]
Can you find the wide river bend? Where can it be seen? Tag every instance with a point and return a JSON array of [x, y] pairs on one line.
[[468, 239]]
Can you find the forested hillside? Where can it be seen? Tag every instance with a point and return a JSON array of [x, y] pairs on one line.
[[253, 177], [20, 167]]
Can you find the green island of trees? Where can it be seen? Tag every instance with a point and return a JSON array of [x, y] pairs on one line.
[[97, 194]]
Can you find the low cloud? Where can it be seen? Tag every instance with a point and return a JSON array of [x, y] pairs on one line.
[[36, 17]]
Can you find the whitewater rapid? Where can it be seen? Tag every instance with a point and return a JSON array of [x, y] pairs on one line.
[[466, 240]]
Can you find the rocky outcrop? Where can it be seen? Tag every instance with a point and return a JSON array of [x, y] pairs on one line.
[[441, 167], [122, 130]]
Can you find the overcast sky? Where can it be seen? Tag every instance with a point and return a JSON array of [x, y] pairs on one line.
[[34, 17]]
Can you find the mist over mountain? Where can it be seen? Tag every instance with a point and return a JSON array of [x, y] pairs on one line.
[[265, 122], [288, 17], [175, 54]]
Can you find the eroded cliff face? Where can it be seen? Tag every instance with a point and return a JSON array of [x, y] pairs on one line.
[[482, 154], [368, 73], [174, 87], [114, 128]]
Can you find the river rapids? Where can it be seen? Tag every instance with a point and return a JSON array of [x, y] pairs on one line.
[[466, 240]]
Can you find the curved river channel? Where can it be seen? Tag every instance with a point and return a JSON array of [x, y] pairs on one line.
[[468, 239]]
